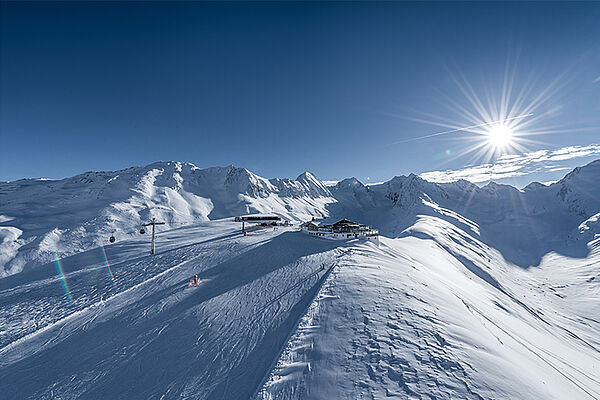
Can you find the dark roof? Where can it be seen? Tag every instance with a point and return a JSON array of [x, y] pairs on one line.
[[258, 217], [345, 222]]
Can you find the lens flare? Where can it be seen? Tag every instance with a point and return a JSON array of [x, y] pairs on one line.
[[62, 275], [106, 260], [495, 116], [500, 136]]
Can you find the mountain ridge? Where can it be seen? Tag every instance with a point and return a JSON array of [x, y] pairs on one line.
[[40, 216], [464, 284]]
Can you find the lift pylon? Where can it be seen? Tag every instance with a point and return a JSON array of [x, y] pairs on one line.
[[153, 223]]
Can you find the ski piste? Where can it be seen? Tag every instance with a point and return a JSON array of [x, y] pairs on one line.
[[441, 307]]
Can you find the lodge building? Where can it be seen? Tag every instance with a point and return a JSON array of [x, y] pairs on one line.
[[342, 230]]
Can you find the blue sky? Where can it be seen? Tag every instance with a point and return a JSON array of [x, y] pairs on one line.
[[279, 88]]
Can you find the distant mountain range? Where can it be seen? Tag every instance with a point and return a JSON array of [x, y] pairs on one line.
[[39, 216]]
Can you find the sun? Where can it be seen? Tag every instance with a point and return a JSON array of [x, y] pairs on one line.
[[505, 120], [500, 136]]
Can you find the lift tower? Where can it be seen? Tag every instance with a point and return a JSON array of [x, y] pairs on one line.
[[153, 223]]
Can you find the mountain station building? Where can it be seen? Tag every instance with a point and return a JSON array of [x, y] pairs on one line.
[[344, 229]]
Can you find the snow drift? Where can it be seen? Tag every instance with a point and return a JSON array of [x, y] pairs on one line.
[[474, 292]]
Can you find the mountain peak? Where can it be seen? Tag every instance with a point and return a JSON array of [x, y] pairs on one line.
[[589, 170], [306, 176], [349, 183], [312, 184]]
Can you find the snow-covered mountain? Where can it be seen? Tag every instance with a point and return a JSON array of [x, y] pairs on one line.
[[523, 224], [37, 216], [473, 292]]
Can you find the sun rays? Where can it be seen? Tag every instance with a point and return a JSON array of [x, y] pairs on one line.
[[490, 121]]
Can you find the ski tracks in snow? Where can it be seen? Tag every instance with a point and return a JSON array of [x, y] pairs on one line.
[[156, 338], [406, 320]]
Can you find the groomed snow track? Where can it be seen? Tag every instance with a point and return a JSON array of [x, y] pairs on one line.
[[435, 313], [151, 336]]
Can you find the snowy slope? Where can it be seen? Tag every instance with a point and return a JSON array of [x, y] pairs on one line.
[[149, 335], [477, 293], [522, 224], [421, 318], [472, 293], [435, 314], [36, 215]]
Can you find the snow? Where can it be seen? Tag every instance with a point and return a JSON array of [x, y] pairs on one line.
[[70, 212], [412, 319], [471, 293], [151, 335]]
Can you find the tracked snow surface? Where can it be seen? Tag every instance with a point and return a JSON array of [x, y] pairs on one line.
[[475, 293]]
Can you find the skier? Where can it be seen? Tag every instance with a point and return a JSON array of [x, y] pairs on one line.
[[194, 281]]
